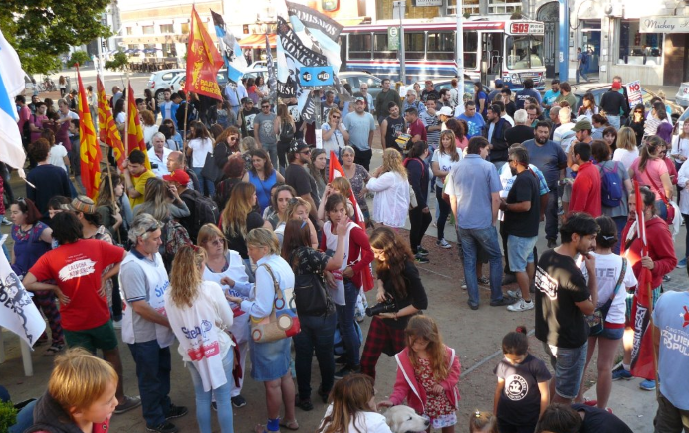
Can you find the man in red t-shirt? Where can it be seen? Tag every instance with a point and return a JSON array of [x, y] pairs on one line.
[[416, 128], [586, 190], [77, 266]]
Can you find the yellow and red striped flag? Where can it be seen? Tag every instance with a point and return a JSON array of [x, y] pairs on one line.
[[91, 155], [108, 130], [135, 133], [203, 61]]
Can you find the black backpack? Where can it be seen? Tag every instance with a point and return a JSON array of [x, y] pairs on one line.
[[203, 211], [26, 130], [286, 133]]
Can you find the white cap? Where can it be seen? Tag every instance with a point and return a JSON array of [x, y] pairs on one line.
[[445, 111]]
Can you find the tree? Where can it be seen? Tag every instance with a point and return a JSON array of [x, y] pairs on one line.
[[119, 62], [80, 57], [42, 30]]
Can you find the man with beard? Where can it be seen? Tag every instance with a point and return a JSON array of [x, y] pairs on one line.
[[549, 157], [522, 214], [563, 298], [247, 115], [391, 128]]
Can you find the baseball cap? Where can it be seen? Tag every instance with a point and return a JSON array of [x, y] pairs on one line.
[[445, 111], [180, 176], [359, 98], [616, 85], [298, 146], [582, 125]]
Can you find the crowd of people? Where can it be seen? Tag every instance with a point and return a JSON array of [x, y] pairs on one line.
[[256, 252]]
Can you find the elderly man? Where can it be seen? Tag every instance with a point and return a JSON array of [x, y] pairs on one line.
[[175, 161], [411, 102], [158, 155]]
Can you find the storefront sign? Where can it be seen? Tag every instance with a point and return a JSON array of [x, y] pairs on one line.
[[423, 3], [664, 25], [526, 28], [634, 93]]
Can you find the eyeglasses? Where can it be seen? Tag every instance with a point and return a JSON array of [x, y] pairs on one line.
[[217, 242], [265, 106], [153, 227], [306, 152], [336, 117]]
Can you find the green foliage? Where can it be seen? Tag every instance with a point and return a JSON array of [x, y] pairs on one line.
[[8, 416], [80, 57], [118, 63], [42, 30]]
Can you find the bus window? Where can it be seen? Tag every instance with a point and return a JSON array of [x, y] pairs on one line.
[[414, 46], [380, 47], [441, 46], [470, 49], [524, 52], [360, 46]]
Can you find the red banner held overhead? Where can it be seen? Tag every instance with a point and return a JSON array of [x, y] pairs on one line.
[[91, 155], [203, 60]]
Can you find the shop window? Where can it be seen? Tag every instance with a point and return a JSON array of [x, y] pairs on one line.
[[441, 46], [639, 48]]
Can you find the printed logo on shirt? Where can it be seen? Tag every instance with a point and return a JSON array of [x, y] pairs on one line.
[[267, 128], [201, 350], [686, 317], [77, 269], [396, 129], [516, 387], [676, 339], [545, 283], [250, 122]]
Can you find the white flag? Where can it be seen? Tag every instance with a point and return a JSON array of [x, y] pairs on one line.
[[11, 84], [18, 313]]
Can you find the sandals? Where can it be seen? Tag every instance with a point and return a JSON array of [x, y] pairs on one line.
[[290, 425], [54, 349]]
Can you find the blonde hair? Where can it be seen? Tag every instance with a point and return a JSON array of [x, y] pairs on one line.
[[262, 237], [293, 205], [480, 421], [208, 232], [186, 276], [392, 161], [626, 138], [247, 144], [342, 186], [79, 379], [332, 111], [237, 209]]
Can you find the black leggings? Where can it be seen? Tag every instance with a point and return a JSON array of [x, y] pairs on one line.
[[419, 222], [444, 209], [283, 148]]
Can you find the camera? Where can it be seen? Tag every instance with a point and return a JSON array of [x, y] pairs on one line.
[[388, 306]]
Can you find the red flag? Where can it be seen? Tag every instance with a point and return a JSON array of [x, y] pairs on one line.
[[203, 60], [91, 155], [135, 133], [642, 364], [108, 130]]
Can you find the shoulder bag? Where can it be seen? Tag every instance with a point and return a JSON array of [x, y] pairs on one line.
[[596, 321], [282, 322], [310, 296], [211, 170]]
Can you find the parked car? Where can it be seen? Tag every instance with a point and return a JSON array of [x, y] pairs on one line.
[[261, 64], [682, 96], [158, 81], [178, 82], [597, 89], [354, 79], [253, 73]]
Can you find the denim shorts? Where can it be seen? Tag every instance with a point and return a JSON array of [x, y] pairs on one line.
[[269, 361], [611, 333], [569, 368], [520, 252]]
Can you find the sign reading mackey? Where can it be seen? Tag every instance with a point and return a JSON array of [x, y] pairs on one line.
[[664, 25]]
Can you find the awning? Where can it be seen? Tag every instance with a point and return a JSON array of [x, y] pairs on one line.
[[257, 41]]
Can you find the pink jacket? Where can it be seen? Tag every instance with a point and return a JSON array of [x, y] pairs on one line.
[[407, 387]]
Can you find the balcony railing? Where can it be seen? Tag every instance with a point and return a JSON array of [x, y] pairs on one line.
[[494, 8]]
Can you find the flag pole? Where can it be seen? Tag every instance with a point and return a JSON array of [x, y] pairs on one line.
[[115, 208], [126, 121]]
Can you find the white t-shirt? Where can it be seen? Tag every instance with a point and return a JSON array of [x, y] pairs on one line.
[[200, 148], [57, 153], [445, 163], [336, 141], [608, 268], [365, 422], [120, 117], [626, 157], [680, 146]]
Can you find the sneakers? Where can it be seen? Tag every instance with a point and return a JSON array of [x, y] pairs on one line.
[[621, 373], [521, 305], [304, 404], [421, 259], [442, 243], [421, 251], [176, 412], [166, 427], [238, 401], [505, 301], [347, 370], [484, 280], [127, 404], [666, 278], [516, 294], [552, 243], [117, 324], [648, 385], [682, 263], [464, 285], [342, 360], [474, 307], [6, 222]]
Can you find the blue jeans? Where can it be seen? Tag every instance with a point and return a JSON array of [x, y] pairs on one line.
[[153, 366], [345, 318], [662, 209], [581, 72], [207, 185], [222, 397], [488, 239], [24, 418], [316, 333], [614, 121]]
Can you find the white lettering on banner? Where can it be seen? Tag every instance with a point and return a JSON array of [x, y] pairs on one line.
[[77, 269], [640, 324]]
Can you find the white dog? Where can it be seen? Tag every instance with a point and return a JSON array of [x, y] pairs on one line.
[[403, 419]]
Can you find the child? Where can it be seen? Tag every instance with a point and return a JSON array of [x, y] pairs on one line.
[[482, 422], [80, 395], [427, 375], [522, 393], [339, 185]]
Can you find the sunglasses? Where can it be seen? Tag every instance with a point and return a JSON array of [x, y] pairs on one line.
[[306, 152], [217, 242], [336, 117], [265, 106]]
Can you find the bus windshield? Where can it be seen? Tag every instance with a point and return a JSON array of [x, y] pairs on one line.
[[524, 52]]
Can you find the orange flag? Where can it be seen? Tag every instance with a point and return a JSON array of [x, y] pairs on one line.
[[134, 131], [203, 60], [108, 130], [91, 155]]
